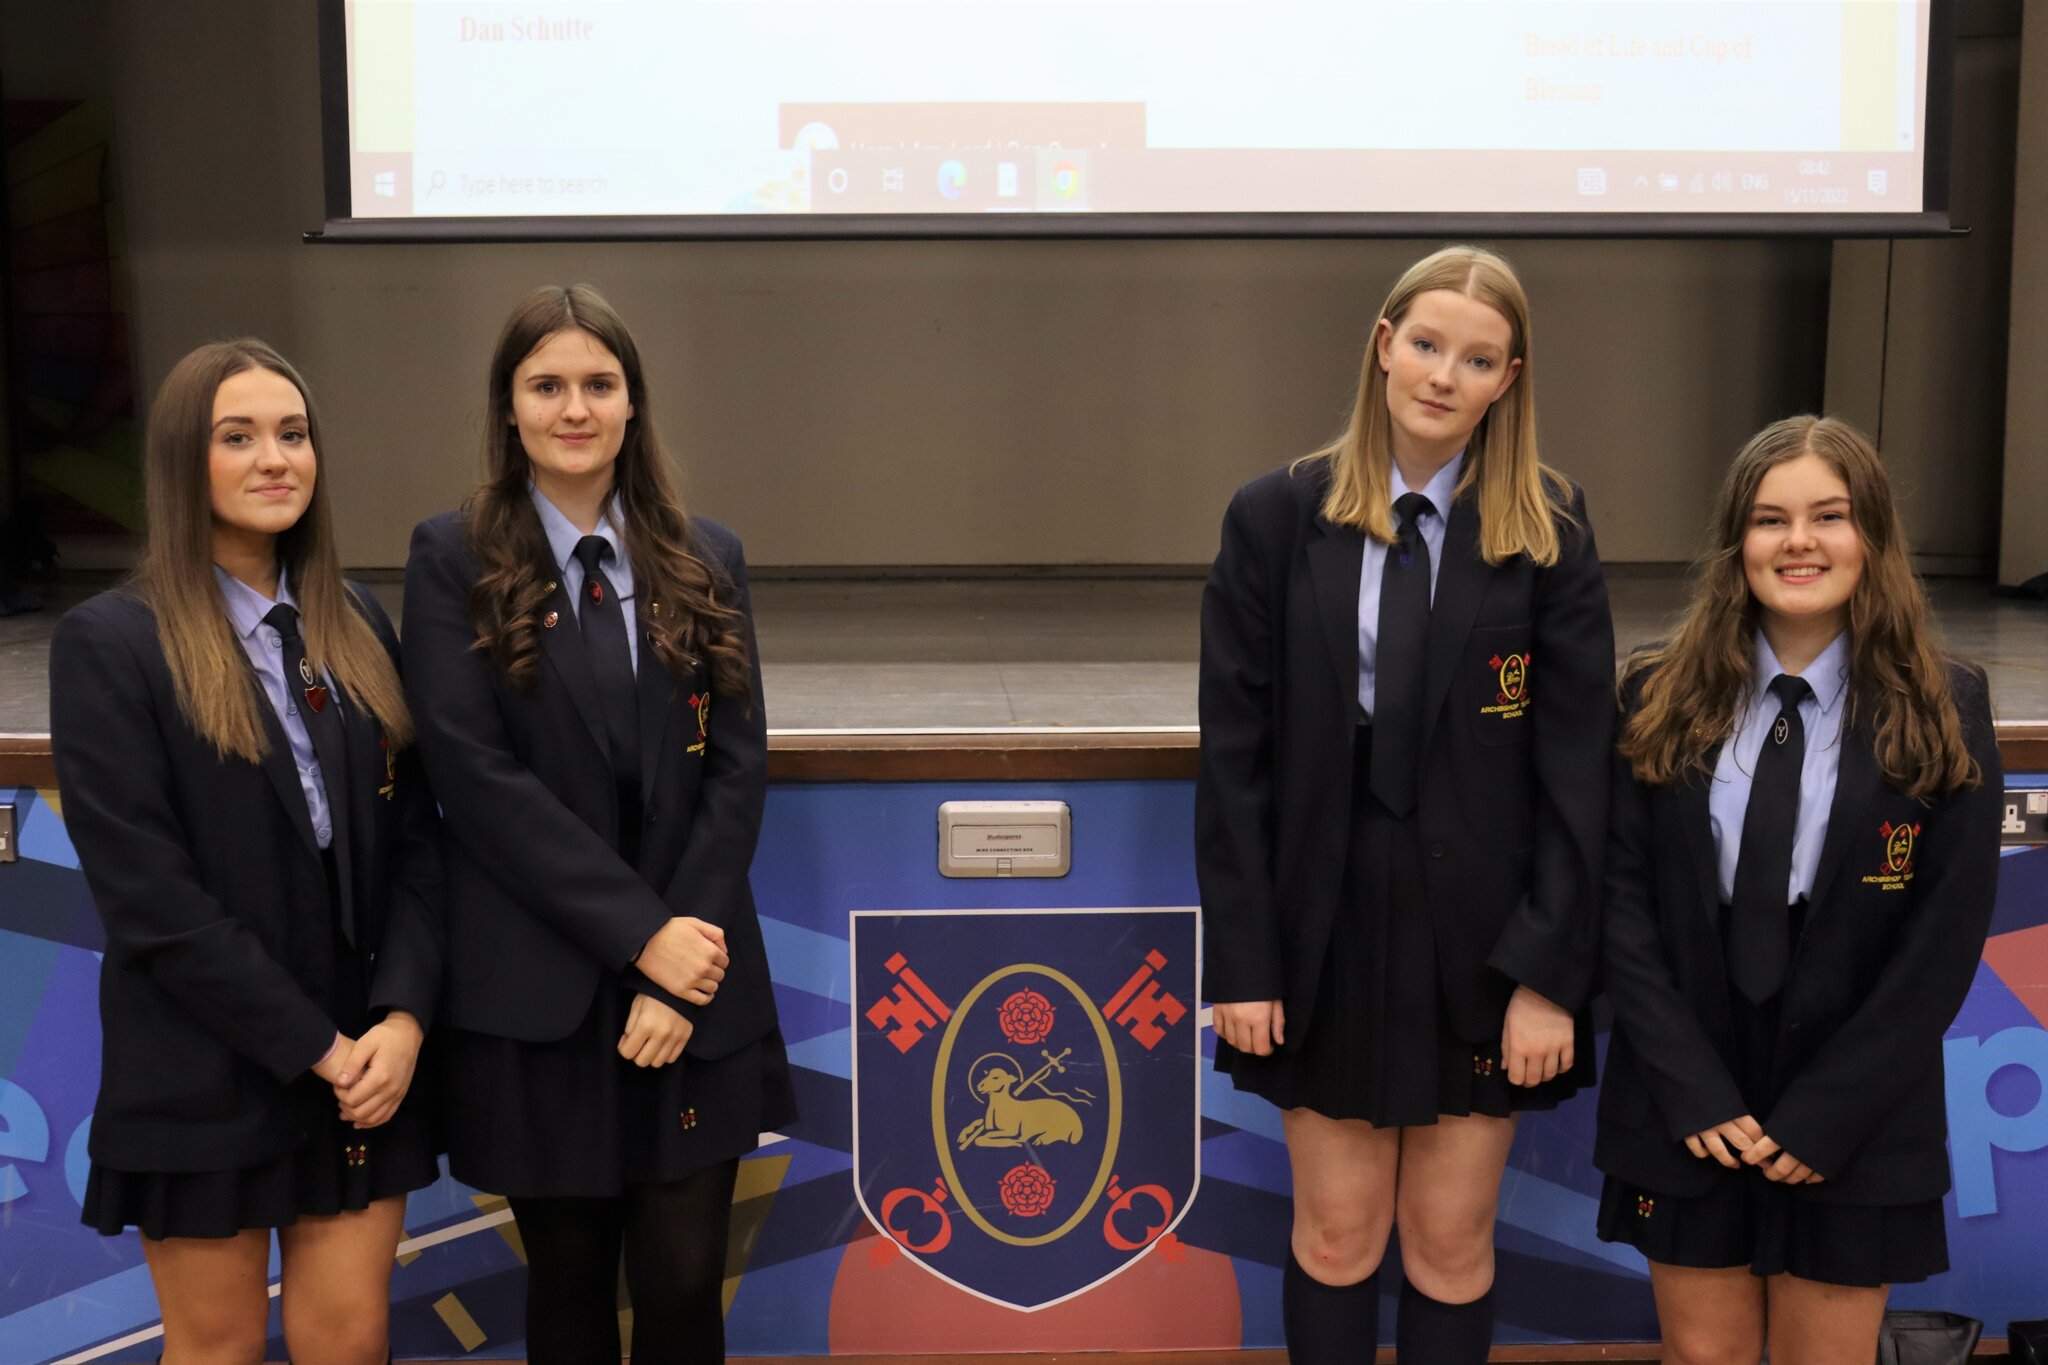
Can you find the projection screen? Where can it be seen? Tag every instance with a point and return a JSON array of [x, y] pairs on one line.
[[478, 119]]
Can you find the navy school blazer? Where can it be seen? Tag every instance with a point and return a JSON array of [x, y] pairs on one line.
[[1512, 800], [540, 904], [1895, 926], [208, 878]]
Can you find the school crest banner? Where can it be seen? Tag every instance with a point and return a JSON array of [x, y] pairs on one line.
[[1026, 1091]]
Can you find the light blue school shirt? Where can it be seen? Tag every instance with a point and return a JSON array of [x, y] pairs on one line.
[[1433, 524], [246, 609], [1822, 715], [562, 537]]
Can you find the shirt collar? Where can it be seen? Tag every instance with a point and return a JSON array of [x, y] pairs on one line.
[[1827, 675], [247, 607], [1438, 490], [562, 533]]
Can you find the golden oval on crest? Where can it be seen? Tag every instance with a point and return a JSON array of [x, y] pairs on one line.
[[941, 1137]]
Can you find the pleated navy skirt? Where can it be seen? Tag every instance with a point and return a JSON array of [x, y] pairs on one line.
[[337, 1168], [574, 1118], [1747, 1220], [1379, 1045]]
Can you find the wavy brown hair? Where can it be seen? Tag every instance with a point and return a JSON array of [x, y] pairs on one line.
[[688, 619], [216, 690], [1521, 500], [1899, 692]]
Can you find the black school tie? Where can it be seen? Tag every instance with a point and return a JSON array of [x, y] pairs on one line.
[[323, 726], [1398, 659], [603, 621], [1758, 942]]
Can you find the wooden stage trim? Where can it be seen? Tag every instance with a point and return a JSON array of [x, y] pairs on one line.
[[1033, 755]]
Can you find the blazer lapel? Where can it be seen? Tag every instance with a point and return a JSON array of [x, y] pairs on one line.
[[657, 693], [1460, 582], [1336, 557], [283, 774], [1697, 818], [562, 642], [1856, 781]]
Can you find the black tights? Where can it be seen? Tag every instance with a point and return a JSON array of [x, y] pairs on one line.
[[673, 1237]]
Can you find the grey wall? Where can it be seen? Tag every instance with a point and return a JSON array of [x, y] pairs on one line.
[[2023, 549], [1917, 336], [919, 403]]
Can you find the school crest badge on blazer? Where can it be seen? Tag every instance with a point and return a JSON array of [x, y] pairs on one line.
[[1026, 1091], [1896, 866], [1511, 679]]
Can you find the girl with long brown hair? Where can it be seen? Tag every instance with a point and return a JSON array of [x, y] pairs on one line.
[[582, 664], [1801, 874], [1406, 652], [233, 750]]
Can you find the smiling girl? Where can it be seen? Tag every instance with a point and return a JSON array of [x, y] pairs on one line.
[[589, 700], [1406, 653], [1800, 879], [232, 750]]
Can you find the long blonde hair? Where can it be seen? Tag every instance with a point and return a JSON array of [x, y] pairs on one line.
[[1520, 498], [1899, 691], [216, 690]]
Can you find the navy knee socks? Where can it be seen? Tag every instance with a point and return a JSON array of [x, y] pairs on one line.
[[1431, 1333], [1329, 1324]]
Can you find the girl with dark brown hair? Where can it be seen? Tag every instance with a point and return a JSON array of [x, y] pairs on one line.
[[583, 669], [232, 746], [1801, 872]]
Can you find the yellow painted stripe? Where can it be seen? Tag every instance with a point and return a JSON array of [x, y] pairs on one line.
[[459, 1321], [762, 1175]]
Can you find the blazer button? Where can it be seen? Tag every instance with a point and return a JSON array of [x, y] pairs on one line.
[[649, 818], [1436, 850]]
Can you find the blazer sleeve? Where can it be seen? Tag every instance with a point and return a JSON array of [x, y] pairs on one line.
[[490, 801], [710, 880], [1551, 943], [1684, 1074], [409, 962], [1861, 1072], [114, 771], [1234, 792]]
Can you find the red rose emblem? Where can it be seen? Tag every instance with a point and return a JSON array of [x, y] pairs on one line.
[[1026, 1018], [1027, 1191]]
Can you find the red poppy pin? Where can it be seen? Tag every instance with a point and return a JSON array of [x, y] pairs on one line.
[[700, 702]]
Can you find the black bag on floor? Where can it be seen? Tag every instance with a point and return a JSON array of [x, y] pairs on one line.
[[1911, 1336], [2028, 1342]]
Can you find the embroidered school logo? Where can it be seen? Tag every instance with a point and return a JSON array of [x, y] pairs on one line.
[[1896, 868], [700, 702], [1511, 694], [1026, 1092]]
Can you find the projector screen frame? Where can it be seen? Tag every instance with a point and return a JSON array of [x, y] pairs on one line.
[[342, 228]]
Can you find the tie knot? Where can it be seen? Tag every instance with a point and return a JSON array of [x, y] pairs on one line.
[[1410, 508], [1790, 690], [592, 551], [284, 619]]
